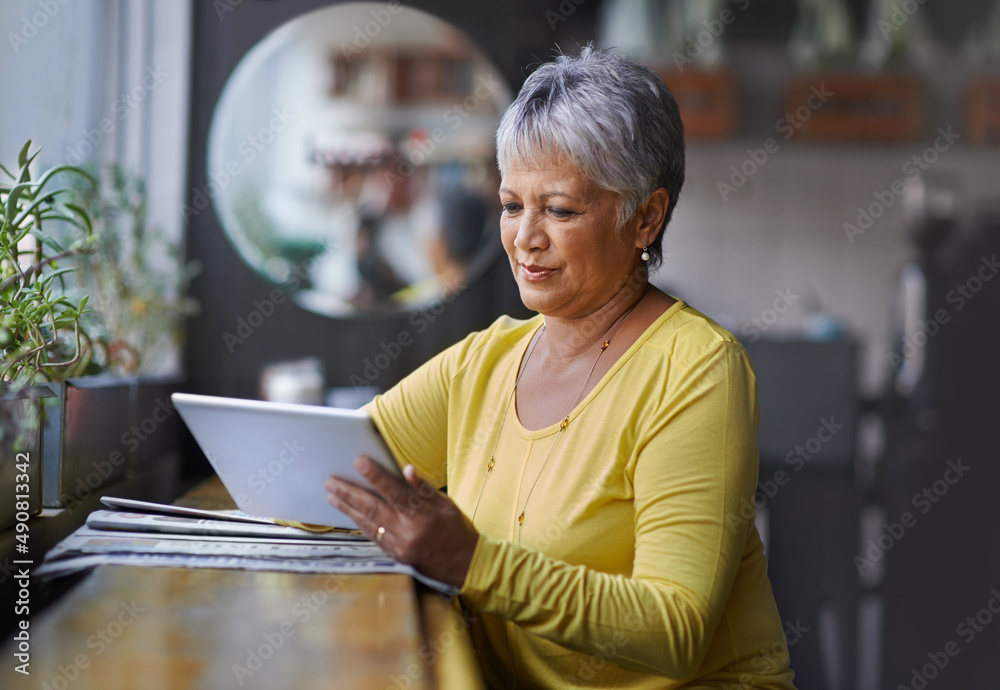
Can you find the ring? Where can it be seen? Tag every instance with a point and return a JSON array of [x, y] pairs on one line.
[[379, 533]]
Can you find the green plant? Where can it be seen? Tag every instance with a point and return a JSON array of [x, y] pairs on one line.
[[135, 276], [41, 335]]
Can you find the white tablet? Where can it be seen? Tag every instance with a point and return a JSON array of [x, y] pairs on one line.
[[274, 458]]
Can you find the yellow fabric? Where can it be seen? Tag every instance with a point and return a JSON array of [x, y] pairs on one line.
[[635, 566]]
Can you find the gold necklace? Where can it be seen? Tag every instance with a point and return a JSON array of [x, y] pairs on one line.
[[562, 425]]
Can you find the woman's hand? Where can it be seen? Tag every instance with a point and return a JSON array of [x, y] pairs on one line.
[[412, 522]]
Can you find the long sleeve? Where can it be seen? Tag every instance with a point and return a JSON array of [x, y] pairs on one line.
[[636, 565], [697, 462]]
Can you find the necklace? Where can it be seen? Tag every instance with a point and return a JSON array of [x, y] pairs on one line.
[[613, 330]]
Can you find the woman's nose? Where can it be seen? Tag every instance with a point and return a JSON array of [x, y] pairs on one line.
[[530, 234]]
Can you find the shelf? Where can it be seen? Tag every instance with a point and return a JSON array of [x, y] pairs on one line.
[[707, 101], [983, 110], [860, 107]]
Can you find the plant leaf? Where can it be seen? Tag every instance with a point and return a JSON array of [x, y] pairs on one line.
[[15, 194], [24, 174], [22, 157], [84, 216], [30, 208], [55, 274], [47, 175], [48, 239]]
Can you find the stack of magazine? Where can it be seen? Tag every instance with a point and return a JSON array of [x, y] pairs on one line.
[[138, 533]]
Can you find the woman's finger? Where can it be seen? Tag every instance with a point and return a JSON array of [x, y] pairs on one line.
[[423, 488], [376, 530], [366, 509], [388, 486]]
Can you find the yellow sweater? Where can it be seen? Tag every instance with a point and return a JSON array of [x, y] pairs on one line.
[[636, 565]]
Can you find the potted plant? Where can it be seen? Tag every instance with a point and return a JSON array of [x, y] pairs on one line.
[[107, 425], [41, 334], [135, 275], [90, 330], [137, 279]]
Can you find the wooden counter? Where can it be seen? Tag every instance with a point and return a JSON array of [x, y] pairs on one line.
[[151, 628]]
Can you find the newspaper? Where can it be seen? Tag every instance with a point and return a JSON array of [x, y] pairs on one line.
[[129, 504], [75, 564], [141, 539], [176, 524], [93, 541], [167, 509]]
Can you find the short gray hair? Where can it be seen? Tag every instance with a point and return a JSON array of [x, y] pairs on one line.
[[611, 117]]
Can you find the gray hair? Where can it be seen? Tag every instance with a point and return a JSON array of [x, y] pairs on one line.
[[611, 117]]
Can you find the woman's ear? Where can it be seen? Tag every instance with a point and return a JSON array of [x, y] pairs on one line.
[[651, 217]]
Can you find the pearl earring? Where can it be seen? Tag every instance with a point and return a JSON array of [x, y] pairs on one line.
[[645, 255]]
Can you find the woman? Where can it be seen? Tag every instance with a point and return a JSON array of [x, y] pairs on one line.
[[597, 456]]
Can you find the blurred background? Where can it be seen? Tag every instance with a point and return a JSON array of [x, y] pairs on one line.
[[317, 195]]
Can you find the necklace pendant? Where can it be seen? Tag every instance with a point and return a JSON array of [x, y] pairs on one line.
[[605, 345], [489, 467], [564, 423], [520, 519]]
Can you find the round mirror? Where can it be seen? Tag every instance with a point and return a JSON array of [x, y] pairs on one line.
[[351, 158]]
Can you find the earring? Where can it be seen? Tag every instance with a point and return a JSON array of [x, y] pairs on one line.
[[645, 255]]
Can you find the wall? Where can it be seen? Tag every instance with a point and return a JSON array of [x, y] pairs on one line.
[[783, 230]]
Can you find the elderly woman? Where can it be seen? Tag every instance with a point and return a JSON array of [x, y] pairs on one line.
[[598, 457]]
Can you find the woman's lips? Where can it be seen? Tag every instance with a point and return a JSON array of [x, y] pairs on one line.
[[535, 273]]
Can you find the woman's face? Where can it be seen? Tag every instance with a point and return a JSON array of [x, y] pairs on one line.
[[559, 231]]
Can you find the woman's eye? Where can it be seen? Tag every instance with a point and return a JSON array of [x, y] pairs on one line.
[[561, 212], [511, 207]]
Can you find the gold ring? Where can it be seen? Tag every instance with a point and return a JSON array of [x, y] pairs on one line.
[[379, 533]]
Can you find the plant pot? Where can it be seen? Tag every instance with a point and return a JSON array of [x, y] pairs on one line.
[[861, 107], [84, 444], [20, 450]]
